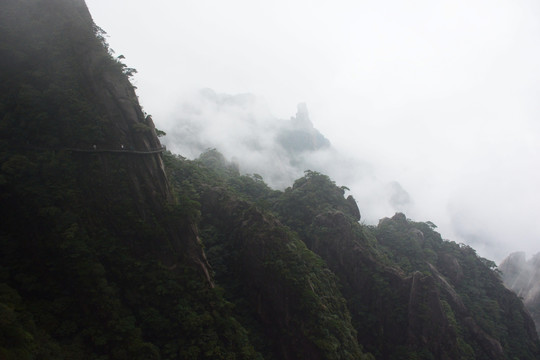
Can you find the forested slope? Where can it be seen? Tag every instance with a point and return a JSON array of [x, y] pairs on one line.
[[410, 293]]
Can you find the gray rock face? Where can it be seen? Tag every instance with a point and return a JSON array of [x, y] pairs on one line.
[[300, 135], [523, 277]]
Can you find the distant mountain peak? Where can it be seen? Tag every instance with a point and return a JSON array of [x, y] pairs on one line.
[[302, 117]]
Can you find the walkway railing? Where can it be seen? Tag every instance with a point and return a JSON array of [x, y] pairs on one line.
[[122, 151]]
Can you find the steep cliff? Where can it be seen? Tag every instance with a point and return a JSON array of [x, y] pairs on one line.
[[98, 257], [64, 94]]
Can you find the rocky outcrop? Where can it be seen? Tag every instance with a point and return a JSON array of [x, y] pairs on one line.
[[300, 135], [428, 326], [523, 277], [452, 268], [353, 208], [491, 346], [517, 273]]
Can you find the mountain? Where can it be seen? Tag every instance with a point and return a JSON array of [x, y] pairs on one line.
[[113, 248], [243, 128], [95, 262], [409, 292], [521, 276], [299, 135], [397, 278]]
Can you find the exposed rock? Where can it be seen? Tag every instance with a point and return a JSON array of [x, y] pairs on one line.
[[300, 135], [450, 267], [427, 323], [400, 218], [449, 291], [302, 117], [417, 235], [353, 208], [516, 272], [523, 277], [491, 346]]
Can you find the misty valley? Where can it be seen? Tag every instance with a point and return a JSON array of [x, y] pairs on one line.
[[223, 244]]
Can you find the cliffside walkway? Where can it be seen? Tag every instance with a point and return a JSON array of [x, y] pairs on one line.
[[120, 151]]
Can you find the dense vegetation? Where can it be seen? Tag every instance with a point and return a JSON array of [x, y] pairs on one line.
[[397, 278], [102, 254], [86, 268]]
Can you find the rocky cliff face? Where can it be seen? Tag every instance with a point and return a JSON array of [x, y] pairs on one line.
[[111, 115], [65, 92], [521, 276], [299, 135]]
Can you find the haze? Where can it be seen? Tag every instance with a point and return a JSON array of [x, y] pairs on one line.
[[431, 107]]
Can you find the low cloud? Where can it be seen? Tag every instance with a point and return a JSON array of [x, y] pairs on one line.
[[244, 130], [440, 97]]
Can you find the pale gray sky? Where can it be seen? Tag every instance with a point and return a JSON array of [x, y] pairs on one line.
[[440, 96]]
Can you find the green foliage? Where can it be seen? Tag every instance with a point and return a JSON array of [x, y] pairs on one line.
[[475, 280], [84, 242], [310, 195], [377, 295], [214, 160], [17, 329], [92, 285], [256, 258], [409, 247]]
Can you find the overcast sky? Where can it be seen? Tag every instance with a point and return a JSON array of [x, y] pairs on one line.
[[441, 97]]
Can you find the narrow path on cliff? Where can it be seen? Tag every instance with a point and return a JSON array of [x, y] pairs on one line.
[[123, 151]]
